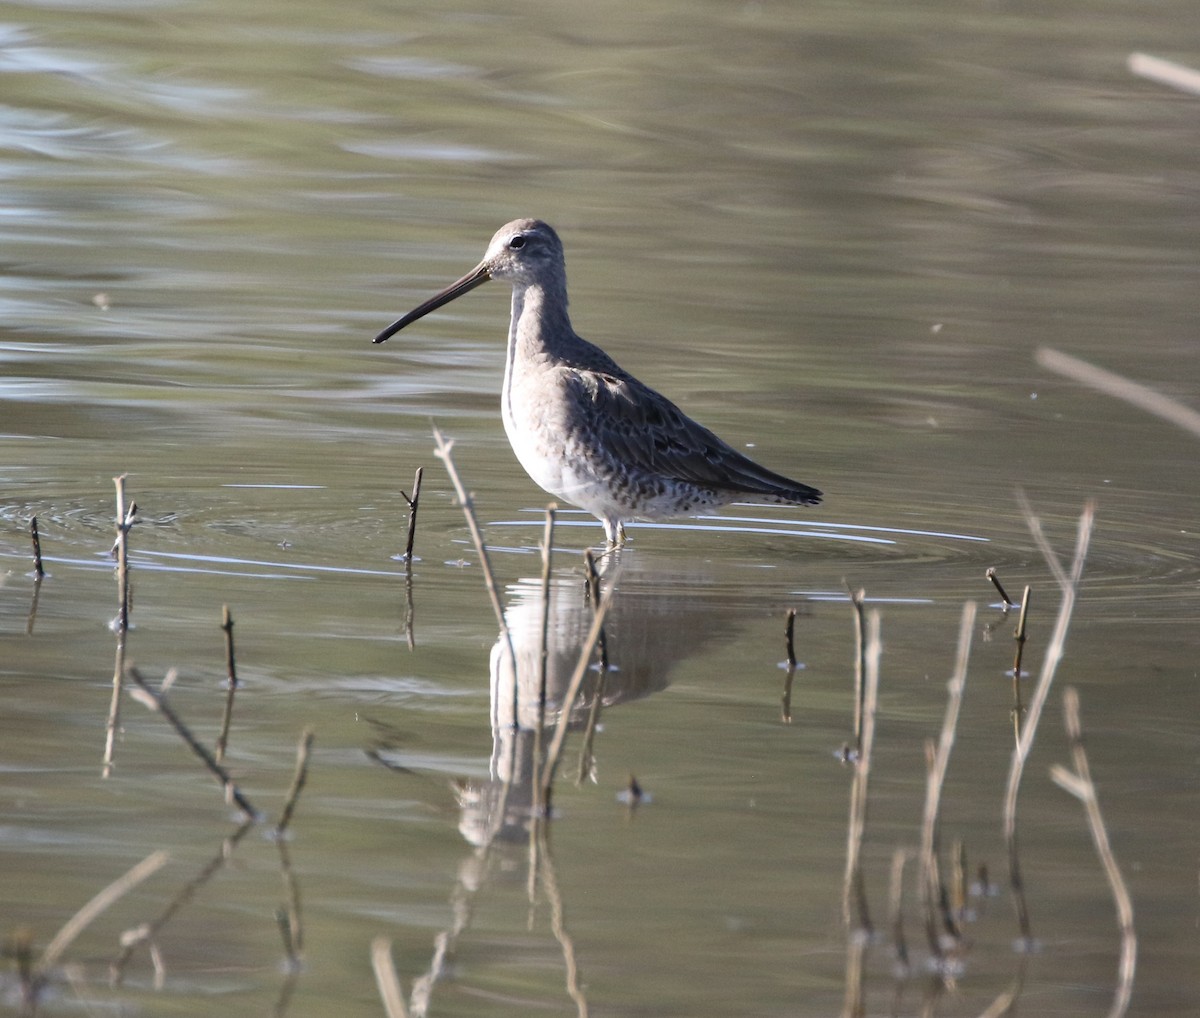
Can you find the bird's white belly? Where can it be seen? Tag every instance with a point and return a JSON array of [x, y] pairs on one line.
[[570, 475], [558, 469]]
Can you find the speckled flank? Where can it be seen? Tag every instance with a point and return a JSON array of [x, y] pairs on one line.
[[585, 430]]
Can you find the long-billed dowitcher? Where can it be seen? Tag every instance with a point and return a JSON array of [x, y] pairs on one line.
[[583, 428]]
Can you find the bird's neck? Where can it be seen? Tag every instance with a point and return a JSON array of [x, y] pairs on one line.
[[538, 332], [539, 328]]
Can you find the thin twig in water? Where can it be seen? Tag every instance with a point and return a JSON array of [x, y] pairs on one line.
[[231, 678], [442, 451], [853, 1004], [857, 598], [413, 504], [86, 915], [124, 518], [593, 589], [932, 893], [1134, 393], [1019, 636], [1079, 783], [789, 632], [1053, 562], [33, 606], [230, 663], [1068, 585], [409, 610], [113, 724], [1165, 72], [157, 701], [38, 570], [121, 550], [386, 978], [572, 691], [586, 759], [853, 889], [591, 577], [1054, 651], [124, 522], [298, 780], [958, 881], [895, 909], [1008, 601]]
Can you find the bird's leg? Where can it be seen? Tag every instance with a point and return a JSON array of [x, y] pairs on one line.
[[614, 533]]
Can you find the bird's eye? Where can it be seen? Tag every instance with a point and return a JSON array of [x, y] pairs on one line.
[[517, 243]]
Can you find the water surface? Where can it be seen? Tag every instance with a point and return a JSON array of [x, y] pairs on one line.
[[836, 235]]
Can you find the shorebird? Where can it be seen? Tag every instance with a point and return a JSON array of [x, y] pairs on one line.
[[583, 428]]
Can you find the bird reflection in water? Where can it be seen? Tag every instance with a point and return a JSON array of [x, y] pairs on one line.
[[650, 627]]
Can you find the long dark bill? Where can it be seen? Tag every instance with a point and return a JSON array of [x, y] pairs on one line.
[[479, 274]]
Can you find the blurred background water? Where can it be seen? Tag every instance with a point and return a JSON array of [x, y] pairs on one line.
[[833, 232]]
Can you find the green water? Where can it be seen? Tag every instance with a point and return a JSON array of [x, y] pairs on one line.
[[836, 233]]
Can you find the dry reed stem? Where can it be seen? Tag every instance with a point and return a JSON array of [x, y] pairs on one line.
[[895, 907], [124, 522], [413, 505], [572, 691], [586, 759], [789, 635], [1165, 72], [1068, 586], [592, 579], [1053, 562], [1079, 783], [113, 723], [299, 778], [958, 883], [854, 1002], [38, 570], [33, 606], [931, 892], [409, 611], [1019, 635], [87, 915], [994, 577], [543, 654], [442, 451], [158, 702], [231, 690], [853, 889], [857, 598], [1134, 393], [1003, 1005], [386, 978], [121, 548]]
